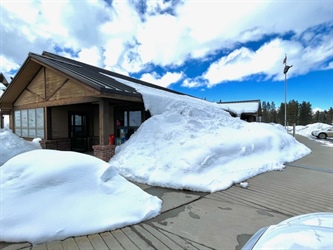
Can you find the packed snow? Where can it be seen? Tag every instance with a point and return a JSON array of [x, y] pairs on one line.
[[51, 195]]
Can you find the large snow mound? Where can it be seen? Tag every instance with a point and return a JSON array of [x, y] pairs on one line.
[[51, 195], [193, 144], [203, 149]]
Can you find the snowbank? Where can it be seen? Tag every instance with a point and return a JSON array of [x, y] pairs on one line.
[[50, 195], [193, 144], [11, 145], [306, 130]]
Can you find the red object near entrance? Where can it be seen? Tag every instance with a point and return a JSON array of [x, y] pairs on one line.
[[111, 139]]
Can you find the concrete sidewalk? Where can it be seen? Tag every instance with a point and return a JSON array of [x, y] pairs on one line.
[[226, 219]]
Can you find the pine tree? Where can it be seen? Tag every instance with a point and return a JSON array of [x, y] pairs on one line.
[[316, 116], [280, 116], [273, 113], [330, 116], [264, 112], [305, 113], [292, 113]]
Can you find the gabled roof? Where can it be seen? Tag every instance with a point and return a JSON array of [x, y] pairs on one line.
[[97, 78], [93, 76]]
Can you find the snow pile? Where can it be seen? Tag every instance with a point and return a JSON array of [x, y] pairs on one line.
[[48, 195], [193, 144], [11, 145], [306, 130]]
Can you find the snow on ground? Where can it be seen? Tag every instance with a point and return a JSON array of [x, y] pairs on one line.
[[193, 144], [11, 145], [49, 195], [306, 131], [188, 143]]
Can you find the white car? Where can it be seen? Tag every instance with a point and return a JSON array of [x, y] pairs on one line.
[[322, 134], [308, 231]]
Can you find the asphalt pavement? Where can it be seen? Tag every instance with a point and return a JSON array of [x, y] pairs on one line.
[[225, 219]]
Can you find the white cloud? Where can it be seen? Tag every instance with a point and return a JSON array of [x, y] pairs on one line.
[[267, 60], [91, 56], [164, 81], [193, 83], [317, 109], [129, 39], [7, 64]]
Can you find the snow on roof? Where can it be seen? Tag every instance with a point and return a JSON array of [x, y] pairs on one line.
[[2, 86], [241, 107]]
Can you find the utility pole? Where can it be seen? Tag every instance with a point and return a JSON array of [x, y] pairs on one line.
[[285, 70]]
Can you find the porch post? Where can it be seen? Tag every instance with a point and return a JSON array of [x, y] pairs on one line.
[[104, 151], [104, 122]]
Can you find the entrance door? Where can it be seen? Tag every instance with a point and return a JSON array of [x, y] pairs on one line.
[[78, 132]]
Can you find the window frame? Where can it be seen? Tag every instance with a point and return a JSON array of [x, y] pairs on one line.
[[29, 123]]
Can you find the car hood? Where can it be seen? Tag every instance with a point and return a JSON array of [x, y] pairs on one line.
[[309, 231]]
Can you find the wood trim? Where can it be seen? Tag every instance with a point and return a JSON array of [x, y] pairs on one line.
[[68, 101], [56, 90], [121, 97], [44, 82], [104, 121], [30, 91]]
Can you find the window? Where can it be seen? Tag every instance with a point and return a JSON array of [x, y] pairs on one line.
[[29, 123], [128, 120]]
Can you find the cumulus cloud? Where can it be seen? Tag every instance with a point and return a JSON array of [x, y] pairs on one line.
[[128, 36], [164, 81], [267, 60], [91, 56]]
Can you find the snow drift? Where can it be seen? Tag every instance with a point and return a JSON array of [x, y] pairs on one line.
[[50, 195], [193, 144], [11, 145]]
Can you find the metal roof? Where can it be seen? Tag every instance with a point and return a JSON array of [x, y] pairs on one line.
[[98, 78]]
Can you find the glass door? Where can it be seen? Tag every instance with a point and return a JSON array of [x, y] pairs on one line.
[[78, 132]]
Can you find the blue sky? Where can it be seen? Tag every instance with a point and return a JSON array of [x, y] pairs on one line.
[[214, 49]]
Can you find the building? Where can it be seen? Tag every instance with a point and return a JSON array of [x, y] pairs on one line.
[[72, 105]]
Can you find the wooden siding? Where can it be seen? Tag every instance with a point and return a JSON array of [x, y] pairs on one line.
[[59, 122], [37, 85], [27, 97], [48, 88]]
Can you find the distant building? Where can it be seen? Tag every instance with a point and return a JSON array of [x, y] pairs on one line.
[[249, 110]]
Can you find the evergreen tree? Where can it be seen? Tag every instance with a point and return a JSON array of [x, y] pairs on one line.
[[273, 113], [280, 115], [330, 116], [264, 112], [268, 112], [305, 113], [316, 116], [292, 113]]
